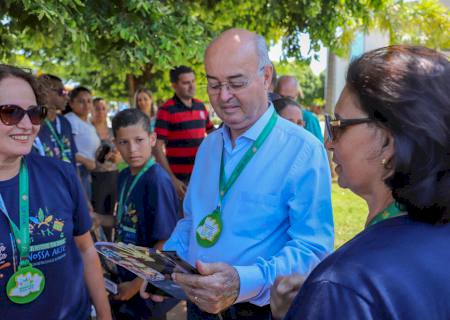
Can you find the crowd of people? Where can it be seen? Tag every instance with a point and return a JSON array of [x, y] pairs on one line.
[[247, 203]]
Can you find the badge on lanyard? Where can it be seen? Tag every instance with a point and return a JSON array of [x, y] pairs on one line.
[[27, 283], [210, 227]]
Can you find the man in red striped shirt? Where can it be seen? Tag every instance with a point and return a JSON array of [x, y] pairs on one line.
[[181, 124]]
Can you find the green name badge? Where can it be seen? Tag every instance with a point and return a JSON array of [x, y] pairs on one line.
[[25, 285], [209, 229]]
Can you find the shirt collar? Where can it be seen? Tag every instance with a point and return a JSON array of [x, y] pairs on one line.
[[253, 132], [179, 102]]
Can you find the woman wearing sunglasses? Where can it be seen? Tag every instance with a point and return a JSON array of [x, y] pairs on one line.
[[48, 265], [391, 144]]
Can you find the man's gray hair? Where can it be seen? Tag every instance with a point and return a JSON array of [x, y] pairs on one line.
[[262, 52]]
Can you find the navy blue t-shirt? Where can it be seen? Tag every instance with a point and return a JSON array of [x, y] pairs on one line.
[[151, 215], [395, 269], [46, 144], [58, 213], [151, 210]]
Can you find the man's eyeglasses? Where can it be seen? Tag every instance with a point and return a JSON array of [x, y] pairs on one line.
[[11, 114], [335, 126], [233, 86]]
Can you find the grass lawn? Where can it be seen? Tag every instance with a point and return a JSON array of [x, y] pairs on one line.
[[350, 213]]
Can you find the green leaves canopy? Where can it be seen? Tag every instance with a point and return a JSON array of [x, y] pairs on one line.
[[99, 43]]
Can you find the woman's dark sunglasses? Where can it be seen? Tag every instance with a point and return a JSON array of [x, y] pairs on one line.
[[334, 126], [11, 114]]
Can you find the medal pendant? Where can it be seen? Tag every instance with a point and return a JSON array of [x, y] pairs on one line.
[[25, 285], [209, 229]]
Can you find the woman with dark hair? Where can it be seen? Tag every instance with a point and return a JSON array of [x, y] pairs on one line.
[[289, 110], [85, 135], [391, 143], [48, 264]]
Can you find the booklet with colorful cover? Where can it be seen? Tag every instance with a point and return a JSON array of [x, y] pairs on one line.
[[147, 263]]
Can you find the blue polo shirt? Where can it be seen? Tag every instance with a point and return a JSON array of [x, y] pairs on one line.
[[58, 213]]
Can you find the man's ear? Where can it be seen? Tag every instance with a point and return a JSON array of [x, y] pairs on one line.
[[268, 71]]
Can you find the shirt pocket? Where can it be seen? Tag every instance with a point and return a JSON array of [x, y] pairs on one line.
[[258, 215]]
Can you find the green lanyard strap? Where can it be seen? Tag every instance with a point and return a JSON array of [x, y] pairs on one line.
[[390, 212], [58, 139], [226, 185], [122, 197], [22, 235]]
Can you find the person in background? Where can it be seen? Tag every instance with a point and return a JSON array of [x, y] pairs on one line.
[[181, 125], [143, 100], [290, 110], [49, 266], [288, 87], [55, 139], [104, 176], [247, 220], [85, 135], [391, 141], [147, 210]]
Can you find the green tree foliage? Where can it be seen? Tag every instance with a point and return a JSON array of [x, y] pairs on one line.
[[114, 46]]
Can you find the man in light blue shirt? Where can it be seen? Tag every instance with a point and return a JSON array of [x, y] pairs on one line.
[[276, 217]]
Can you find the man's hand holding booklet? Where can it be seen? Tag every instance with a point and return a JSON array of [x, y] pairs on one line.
[[156, 267]]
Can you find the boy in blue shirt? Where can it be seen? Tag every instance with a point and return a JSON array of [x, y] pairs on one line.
[[148, 204]]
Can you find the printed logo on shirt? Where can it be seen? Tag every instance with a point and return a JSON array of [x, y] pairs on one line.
[[202, 115], [128, 225], [47, 232], [54, 152], [3, 257]]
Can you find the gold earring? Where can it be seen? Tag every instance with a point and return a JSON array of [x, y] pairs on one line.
[[383, 162]]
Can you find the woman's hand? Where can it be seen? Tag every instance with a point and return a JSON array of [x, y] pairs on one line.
[[283, 293]]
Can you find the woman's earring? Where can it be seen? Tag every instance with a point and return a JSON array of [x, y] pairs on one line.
[[383, 162]]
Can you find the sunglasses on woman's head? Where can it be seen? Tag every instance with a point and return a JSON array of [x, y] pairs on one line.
[[335, 126], [11, 114]]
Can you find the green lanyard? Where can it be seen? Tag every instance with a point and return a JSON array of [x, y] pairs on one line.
[[55, 135], [210, 227], [122, 198], [390, 212], [224, 185], [22, 235]]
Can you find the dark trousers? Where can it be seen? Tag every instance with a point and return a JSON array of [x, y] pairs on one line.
[[237, 311]]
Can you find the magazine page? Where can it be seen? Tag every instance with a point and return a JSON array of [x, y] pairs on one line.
[[149, 264]]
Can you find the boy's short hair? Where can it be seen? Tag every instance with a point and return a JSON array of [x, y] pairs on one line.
[[130, 117], [177, 71]]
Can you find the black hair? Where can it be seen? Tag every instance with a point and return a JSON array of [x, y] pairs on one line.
[[130, 117], [406, 90], [8, 71], [75, 92], [97, 99], [282, 103], [177, 71]]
